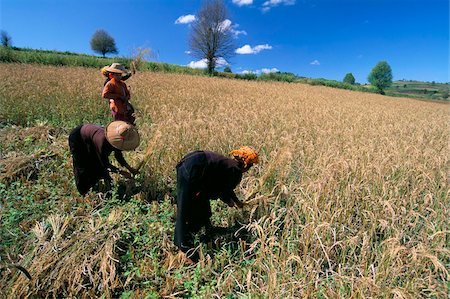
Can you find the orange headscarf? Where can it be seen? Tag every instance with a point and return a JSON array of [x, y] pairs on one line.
[[246, 154]]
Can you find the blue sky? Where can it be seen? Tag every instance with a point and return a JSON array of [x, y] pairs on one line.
[[311, 38]]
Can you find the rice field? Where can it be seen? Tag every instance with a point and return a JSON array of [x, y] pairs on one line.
[[350, 199]]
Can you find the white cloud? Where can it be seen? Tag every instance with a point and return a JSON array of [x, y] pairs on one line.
[[185, 19], [272, 70], [228, 25], [261, 71], [237, 32], [225, 25], [242, 2], [246, 49], [278, 2], [221, 62], [315, 62], [202, 64], [259, 48], [267, 5], [187, 52]]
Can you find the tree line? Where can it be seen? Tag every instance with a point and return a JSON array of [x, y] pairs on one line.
[[380, 77]]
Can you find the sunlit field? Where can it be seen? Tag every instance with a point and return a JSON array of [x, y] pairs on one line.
[[350, 200]]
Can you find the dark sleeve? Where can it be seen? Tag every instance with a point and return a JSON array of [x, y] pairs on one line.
[[127, 76], [107, 166], [231, 177], [119, 157], [228, 197]]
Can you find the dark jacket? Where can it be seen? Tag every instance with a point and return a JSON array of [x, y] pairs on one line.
[[90, 153], [201, 176]]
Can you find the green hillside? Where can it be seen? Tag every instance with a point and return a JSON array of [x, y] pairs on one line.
[[427, 90]]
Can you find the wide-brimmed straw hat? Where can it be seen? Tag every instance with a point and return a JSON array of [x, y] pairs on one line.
[[116, 68], [122, 135]]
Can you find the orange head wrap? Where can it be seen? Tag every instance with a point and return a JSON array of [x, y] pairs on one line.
[[246, 154]]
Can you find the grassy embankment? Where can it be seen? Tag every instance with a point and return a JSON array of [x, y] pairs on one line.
[[413, 89], [350, 200]]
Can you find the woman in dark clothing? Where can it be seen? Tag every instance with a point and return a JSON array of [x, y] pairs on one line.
[[91, 145], [201, 176]]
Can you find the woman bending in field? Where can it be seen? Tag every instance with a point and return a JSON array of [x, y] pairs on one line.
[[116, 91], [201, 176], [91, 145]]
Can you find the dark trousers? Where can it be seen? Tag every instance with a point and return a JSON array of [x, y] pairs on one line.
[[193, 211]]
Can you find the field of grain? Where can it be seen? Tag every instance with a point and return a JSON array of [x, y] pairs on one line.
[[350, 200]]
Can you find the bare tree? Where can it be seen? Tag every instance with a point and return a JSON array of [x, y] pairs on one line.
[[211, 37], [140, 56], [5, 39], [102, 42]]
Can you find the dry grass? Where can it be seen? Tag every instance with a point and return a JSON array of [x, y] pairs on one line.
[[72, 256], [350, 200]]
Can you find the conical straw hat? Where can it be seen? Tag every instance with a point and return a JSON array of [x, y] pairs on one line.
[[122, 135]]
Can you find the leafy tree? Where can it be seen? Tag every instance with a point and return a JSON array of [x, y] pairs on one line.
[[103, 43], [381, 76], [211, 37], [5, 39], [227, 69], [349, 78]]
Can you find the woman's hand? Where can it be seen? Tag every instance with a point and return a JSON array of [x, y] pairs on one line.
[[134, 171], [237, 203], [126, 174], [230, 203]]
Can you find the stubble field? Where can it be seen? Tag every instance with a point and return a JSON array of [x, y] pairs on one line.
[[350, 199]]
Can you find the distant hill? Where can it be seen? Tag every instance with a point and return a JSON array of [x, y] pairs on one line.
[[427, 90]]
